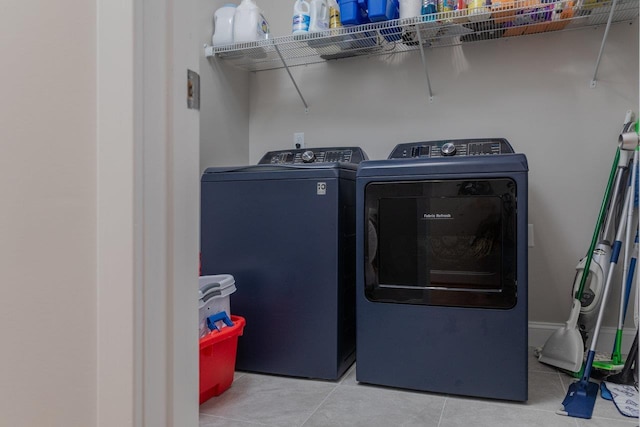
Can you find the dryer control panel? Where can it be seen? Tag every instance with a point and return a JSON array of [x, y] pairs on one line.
[[352, 155], [451, 147]]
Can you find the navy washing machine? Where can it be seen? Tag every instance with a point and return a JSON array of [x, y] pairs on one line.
[[441, 285], [285, 230]]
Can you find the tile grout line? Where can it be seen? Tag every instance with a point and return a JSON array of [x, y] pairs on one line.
[[559, 374], [320, 404], [444, 405]]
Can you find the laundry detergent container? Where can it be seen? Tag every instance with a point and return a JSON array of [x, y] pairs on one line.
[[353, 12], [383, 10], [214, 297], [218, 359]]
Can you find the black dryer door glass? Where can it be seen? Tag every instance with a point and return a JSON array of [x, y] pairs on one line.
[[441, 242]]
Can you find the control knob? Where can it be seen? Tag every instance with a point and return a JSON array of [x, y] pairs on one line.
[[448, 149], [308, 156]]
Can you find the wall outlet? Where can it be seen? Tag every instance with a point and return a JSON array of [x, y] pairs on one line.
[[298, 140], [530, 236]]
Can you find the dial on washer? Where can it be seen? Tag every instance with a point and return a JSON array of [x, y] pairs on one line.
[[308, 156], [448, 149]]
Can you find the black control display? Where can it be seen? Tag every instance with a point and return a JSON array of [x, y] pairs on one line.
[[315, 155], [451, 148]]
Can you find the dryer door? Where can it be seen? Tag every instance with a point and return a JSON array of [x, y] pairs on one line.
[[442, 242]]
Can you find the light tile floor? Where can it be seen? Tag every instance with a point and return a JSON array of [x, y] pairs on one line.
[[265, 400]]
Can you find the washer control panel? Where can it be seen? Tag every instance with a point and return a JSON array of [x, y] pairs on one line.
[[451, 147], [303, 156]]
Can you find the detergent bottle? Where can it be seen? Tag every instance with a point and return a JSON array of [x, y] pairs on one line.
[[223, 25], [429, 8], [249, 23], [479, 10], [301, 17], [334, 14], [319, 16], [410, 8]]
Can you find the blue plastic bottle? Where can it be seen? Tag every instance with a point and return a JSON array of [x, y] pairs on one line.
[[429, 8]]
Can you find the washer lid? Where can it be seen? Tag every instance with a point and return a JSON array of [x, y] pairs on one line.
[[280, 172]]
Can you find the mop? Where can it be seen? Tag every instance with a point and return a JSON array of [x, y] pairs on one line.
[[623, 385], [622, 388], [626, 376], [624, 397], [581, 396], [616, 363], [592, 294]]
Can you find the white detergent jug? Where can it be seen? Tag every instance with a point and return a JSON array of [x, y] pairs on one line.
[[319, 15], [249, 23], [223, 25], [410, 8], [301, 17]]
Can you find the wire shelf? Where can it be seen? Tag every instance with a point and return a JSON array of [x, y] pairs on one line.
[[505, 19]]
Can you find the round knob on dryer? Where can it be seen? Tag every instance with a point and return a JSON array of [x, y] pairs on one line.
[[308, 156], [448, 149]]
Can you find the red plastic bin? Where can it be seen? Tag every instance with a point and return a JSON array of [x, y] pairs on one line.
[[218, 359]]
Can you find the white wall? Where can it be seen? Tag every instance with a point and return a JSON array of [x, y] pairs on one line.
[[81, 238], [48, 213], [534, 91], [224, 109]]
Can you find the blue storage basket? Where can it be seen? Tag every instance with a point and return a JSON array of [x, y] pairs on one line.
[[383, 10], [353, 12]]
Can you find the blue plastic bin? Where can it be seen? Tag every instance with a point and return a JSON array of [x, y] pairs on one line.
[[353, 12], [383, 10]]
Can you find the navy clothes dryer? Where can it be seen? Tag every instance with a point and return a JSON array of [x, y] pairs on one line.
[[285, 230], [441, 287]]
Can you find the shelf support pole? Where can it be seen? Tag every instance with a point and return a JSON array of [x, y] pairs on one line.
[[604, 39], [306, 106], [424, 62]]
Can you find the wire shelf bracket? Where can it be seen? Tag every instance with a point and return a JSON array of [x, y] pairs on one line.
[[286, 67], [424, 64], [604, 40]]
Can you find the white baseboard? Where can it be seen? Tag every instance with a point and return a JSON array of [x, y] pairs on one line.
[[539, 332]]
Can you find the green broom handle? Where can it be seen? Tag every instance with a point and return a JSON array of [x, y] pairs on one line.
[[596, 232]]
